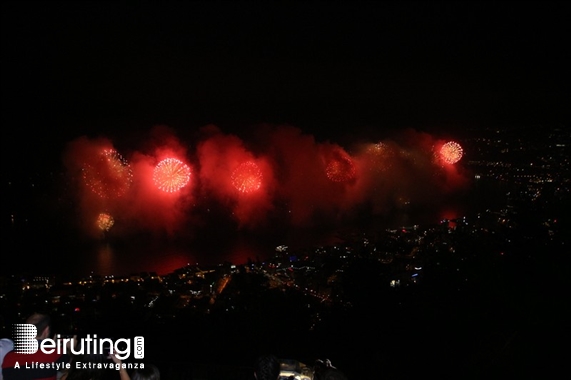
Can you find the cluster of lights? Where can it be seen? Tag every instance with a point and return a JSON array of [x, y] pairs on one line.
[[109, 176], [105, 221], [171, 175], [247, 177], [340, 168]]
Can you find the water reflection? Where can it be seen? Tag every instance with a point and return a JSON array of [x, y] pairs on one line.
[[124, 258], [163, 258], [106, 260], [69, 255], [121, 261]]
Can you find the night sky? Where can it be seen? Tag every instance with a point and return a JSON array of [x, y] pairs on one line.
[[332, 69]]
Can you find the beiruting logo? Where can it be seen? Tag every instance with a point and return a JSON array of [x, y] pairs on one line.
[[25, 342]]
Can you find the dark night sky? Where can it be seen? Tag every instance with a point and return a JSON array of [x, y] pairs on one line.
[[330, 68]]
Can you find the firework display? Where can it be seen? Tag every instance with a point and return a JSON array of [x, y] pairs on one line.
[[284, 174], [108, 176], [340, 168], [247, 177], [171, 175], [451, 152], [105, 221]]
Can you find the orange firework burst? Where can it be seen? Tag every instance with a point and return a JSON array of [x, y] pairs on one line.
[[109, 175], [105, 221], [340, 168], [171, 175], [247, 177], [451, 152]]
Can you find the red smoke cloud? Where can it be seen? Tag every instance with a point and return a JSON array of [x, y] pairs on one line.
[[304, 187], [148, 207], [219, 155]]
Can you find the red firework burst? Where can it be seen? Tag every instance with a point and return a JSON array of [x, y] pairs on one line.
[[451, 152], [109, 176], [340, 168], [171, 175], [247, 177]]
